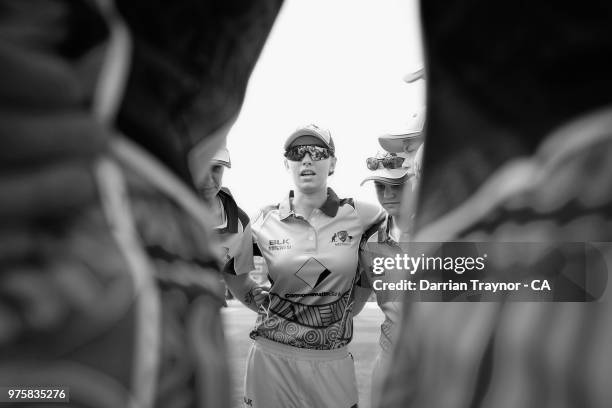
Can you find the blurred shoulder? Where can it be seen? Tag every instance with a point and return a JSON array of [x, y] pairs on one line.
[[369, 213], [264, 212]]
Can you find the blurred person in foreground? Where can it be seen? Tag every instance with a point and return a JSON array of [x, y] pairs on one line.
[[109, 282], [231, 225], [391, 173], [524, 90], [299, 355]]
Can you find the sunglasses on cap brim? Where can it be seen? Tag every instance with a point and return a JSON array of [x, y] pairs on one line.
[[387, 162], [316, 153], [382, 184]]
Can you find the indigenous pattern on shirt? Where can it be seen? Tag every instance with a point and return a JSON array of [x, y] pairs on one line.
[[312, 265], [378, 243]]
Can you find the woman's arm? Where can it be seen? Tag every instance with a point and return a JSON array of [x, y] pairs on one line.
[[361, 292], [245, 289], [236, 273]]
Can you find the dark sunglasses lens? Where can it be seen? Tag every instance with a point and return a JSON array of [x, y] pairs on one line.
[[392, 162], [295, 153], [318, 153], [398, 162], [372, 163]]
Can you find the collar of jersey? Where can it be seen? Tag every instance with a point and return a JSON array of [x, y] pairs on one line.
[[329, 207], [231, 212], [383, 231]]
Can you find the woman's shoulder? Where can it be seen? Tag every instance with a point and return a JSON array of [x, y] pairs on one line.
[[362, 206], [264, 212], [231, 208], [369, 213]]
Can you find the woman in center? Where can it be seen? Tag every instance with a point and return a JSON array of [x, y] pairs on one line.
[[310, 242]]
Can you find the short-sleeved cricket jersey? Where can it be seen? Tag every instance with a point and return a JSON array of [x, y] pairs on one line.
[[379, 243], [312, 264], [235, 237]]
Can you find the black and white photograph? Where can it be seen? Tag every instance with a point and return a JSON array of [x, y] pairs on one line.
[[305, 204]]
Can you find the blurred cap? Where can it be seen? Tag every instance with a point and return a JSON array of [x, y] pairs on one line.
[[394, 141], [310, 134], [388, 176], [415, 75], [418, 160], [200, 165], [222, 157]]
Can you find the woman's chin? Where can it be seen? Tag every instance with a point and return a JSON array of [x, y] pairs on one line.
[[309, 187]]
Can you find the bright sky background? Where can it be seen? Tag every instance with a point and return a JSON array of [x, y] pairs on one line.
[[336, 63]]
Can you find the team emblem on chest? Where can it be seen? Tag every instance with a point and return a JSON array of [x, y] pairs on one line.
[[341, 238]]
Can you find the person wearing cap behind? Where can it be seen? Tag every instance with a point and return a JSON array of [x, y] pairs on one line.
[[310, 242], [406, 140], [407, 143], [392, 173], [232, 227]]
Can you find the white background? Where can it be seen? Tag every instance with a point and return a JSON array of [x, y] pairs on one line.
[[336, 63]]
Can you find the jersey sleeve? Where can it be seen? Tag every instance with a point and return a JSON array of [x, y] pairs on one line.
[[243, 261], [258, 221], [363, 267], [370, 215], [256, 224], [365, 253]]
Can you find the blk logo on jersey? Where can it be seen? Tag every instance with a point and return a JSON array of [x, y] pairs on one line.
[[341, 238], [312, 273], [279, 244]]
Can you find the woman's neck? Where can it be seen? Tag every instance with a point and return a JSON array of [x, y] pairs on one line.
[[401, 226], [304, 203], [216, 209], [397, 221]]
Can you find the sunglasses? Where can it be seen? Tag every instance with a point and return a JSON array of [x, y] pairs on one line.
[[388, 162], [316, 153]]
